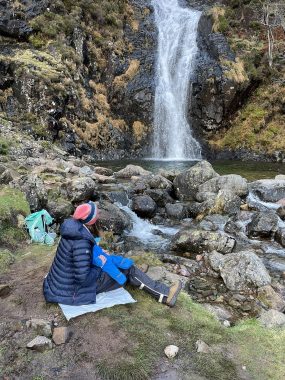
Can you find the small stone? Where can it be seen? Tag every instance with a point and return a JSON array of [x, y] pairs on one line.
[[61, 335], [199, 257], [41, 326], [227, 323], [5, 290], [244, 367], [171, 351], [202, 347], [40, 344]]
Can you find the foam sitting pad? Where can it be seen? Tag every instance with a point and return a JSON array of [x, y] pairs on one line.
[[103, 300]]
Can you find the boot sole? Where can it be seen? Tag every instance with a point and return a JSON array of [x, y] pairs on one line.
[[174, 298]]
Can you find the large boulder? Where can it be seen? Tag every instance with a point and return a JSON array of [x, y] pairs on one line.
[[176, 210], [187, 183], [243, 270], [112, 218], [224, 202], [270, 298], [268, 190], [81, 189], [131, 171], [34, 189], [198, 241], [263, 224], [233, 183], [60, 209], [161, 197], [144, 206]]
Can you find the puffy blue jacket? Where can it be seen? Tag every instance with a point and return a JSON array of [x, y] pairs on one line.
[[72, 278]]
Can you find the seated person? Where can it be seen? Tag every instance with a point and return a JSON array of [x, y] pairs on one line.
[[74, 280]]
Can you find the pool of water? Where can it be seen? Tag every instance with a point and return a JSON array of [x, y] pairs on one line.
[[250, 170]]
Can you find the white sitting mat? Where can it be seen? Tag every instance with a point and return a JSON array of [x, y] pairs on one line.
[[103, 300]]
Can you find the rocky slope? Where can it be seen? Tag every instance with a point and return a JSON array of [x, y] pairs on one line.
[[84, 75]]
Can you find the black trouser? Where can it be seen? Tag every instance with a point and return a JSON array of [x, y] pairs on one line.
[[136, 278]]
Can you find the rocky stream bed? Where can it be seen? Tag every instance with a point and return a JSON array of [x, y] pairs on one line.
[[223, 236]]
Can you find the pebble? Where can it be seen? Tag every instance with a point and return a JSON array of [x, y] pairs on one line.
[[202, 347], [227, 323], [40, 344], [171, 351], [42, 326], [61, 335]]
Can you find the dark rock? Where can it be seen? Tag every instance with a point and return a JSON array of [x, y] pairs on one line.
[[187, 183], [5, 290], [176, 211], [112, 218], [60, 209], [280, 236], [144, 206], [161, 197], [263, 224]]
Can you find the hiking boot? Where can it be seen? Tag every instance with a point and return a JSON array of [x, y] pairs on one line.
[[173, 293]]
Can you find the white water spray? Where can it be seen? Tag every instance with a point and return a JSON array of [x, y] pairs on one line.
[[177, 48]]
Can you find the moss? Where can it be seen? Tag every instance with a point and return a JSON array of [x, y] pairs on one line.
[[235, 70], [12, 200], [6, 259], [259, 126]]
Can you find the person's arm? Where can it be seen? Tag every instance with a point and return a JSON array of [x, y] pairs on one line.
[[82, 259]]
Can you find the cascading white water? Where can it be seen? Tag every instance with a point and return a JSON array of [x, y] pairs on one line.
[[177, 48]]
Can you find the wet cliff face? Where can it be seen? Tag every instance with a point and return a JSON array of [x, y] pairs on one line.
[[82, 75]]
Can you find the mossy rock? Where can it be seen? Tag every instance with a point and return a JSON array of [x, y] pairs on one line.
[[12, 204], [6, 259]]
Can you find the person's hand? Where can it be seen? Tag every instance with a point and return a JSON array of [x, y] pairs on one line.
[[103, 259]]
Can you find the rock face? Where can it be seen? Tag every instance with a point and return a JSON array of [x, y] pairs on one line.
[[187, 183], [243, 270], [102, 101], [197, 241], [81, 189]]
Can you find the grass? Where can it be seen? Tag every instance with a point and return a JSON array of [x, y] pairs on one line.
[[260, 125], [150, 327]]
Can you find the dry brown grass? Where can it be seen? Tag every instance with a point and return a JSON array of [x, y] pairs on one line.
[[122, 80]]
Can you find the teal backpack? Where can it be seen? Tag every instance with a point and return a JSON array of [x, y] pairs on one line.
[[37, 225]]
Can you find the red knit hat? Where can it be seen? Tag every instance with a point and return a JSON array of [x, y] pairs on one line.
[[87, 213]]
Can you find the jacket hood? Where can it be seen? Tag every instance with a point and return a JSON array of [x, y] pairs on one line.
[[74, 230]]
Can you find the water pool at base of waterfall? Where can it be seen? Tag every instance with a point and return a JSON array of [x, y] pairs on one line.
[[248, 169]]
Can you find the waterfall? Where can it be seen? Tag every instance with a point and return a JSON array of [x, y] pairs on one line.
[[177, 48]]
